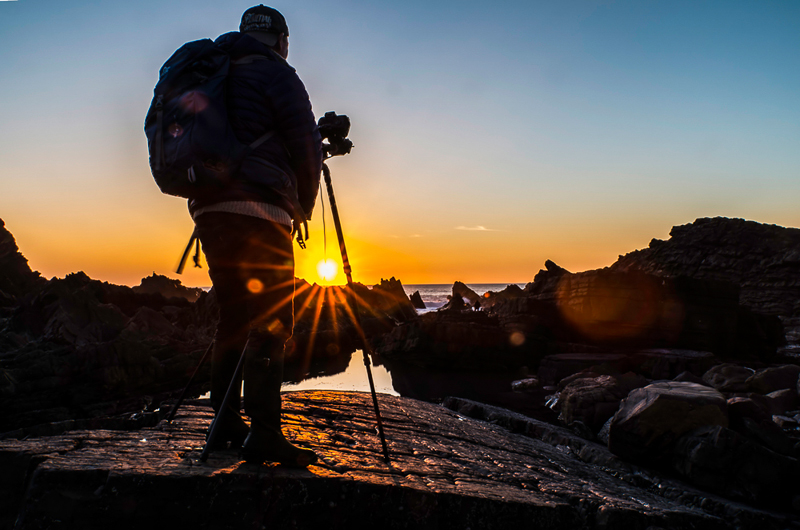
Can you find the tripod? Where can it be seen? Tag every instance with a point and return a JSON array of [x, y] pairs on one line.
[[234, 389]]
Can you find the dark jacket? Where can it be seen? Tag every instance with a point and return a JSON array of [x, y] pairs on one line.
[[267, 95]]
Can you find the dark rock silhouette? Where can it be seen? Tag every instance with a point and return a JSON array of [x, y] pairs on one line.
[[460, 289], [763, 260], [16, 277], [416, 300], [167, 287]]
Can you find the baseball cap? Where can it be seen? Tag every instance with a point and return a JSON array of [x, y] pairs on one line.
[[263, 18]]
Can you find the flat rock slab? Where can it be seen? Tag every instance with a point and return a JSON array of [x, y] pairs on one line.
[[447, 471]]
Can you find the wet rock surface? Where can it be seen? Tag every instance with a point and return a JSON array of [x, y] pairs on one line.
[[447, 471]]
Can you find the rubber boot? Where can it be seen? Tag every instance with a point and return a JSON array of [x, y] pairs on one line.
[[263, 377], [233, 429]]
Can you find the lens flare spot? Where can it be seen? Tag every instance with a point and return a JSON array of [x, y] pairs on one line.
[[193, 102], [175, 130], [327, 269], [255, 286], [517, 339]]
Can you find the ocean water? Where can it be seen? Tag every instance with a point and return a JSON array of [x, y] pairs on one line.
[[435, 294]]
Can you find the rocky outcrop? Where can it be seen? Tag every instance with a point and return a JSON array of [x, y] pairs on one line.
[[167, 287], [16, 277], [82, 348], [763, 260], [641, 310]]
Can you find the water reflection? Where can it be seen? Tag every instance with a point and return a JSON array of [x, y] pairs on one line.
[[352, 378]]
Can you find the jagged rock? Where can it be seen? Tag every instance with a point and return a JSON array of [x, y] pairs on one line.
[[460, 289], [651, 419], [728, 377], [490, 298], [167, 287], [416, 300], [389, 297], [774, 378], [728, 463]]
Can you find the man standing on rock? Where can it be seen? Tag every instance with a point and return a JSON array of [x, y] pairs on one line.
[[246, 233]]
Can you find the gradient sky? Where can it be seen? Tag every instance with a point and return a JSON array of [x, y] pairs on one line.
[[489, 136]]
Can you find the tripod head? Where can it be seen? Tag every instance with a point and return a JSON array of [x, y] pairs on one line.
[[335, 128]]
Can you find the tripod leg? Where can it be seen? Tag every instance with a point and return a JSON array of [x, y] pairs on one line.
[[375, 404], [229, 396], [352, 303]]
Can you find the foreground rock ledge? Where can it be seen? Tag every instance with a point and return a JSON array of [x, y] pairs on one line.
[[447, 471]]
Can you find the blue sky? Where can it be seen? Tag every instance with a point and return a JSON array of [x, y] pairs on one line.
[[572, 131]]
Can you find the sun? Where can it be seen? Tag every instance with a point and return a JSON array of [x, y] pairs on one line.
[[327, 269]]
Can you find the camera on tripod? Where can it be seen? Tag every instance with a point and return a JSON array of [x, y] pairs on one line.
[[335, 128]]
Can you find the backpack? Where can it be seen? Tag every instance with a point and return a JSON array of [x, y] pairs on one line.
[[193, 149]]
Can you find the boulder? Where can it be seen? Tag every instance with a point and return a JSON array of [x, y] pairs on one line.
[[728, 377], [593, 401], [774, 378], [651, 419], [782, 401], [730, 464], [784, 422], [416, 300], [740, 408]]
